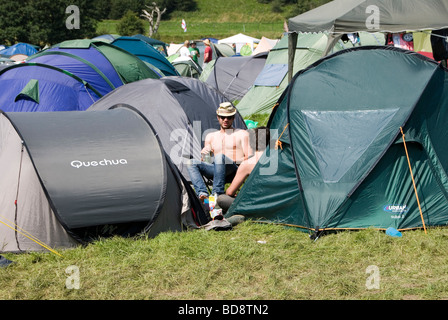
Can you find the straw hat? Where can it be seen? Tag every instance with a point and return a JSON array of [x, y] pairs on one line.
[[226, 109], [206, 41]]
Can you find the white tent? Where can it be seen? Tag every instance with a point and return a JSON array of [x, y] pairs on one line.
[[173, 48], [240, 40], [264, 45]]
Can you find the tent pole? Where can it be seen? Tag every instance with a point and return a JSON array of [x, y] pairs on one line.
[[413, 182], [332, 40], [292, 44], [32, 238]]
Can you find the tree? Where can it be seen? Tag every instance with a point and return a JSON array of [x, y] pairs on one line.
[[118, 8], [154, 10], [176, 5], [130, 24], [103, 9], [12, 22], [43, 22], [47, 20]]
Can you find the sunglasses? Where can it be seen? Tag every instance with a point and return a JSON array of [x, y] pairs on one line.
[[226, 117]]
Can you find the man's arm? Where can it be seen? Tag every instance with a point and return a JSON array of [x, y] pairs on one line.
[[207, 145]]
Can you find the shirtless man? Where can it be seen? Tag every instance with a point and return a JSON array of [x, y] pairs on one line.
[[229, 146]]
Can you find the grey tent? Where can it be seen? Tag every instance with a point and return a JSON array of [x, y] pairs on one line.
[[182, 110], [344, 16], [234, 76], [347, 16], [70, 177]]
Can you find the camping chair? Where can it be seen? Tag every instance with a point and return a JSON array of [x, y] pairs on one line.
[[209, 182]]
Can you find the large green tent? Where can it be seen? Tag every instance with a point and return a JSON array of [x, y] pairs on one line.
[[273, 79], [341, 160]]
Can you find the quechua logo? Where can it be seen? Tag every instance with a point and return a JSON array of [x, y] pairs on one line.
[[98, 163]]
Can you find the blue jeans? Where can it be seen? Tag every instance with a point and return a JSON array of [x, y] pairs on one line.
[[221, 168]]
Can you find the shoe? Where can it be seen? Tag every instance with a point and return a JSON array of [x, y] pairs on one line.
[[202, 197], [236, 219]]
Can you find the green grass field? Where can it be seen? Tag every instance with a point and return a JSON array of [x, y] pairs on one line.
[[251, 262], [217, 19]]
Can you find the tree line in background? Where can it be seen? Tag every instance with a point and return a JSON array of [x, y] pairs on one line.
[[42, 22]]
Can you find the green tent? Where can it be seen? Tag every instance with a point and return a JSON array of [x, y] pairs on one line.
[[187, 68], [272, 80], [341, 160], [129, 67]]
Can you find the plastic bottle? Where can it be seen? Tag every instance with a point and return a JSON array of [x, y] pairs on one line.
[[215, 214], [212, 201]]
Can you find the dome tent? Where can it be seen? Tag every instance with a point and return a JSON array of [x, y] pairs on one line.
[[146, 52], [69, 76], [187, 67], [96, 62], [156, 44], [272, 80], [342, 161], [19, 48], [31, 87], [234, 76], [71, 177]]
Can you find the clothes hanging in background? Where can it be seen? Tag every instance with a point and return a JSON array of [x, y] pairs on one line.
[[352, 37], [402, 40]]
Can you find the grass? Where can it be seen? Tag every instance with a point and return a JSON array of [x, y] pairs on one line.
[[262, 119], [251, 262], [217, 19]]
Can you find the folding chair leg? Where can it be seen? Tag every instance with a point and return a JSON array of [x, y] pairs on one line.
[[207, 184]]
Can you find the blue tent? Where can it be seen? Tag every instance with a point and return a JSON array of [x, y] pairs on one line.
[[88, 64], [118, 65], [31, 87], [71, 75], [19, 48], [157, 44], [147, 53]]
